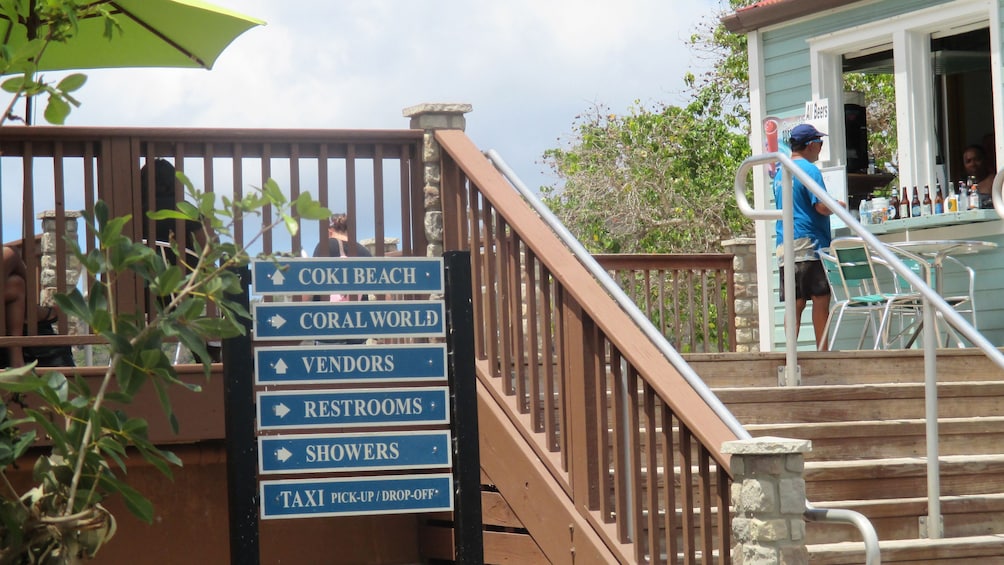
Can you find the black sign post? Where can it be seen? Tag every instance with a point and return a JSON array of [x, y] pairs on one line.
[[467, 522], [242, 446]]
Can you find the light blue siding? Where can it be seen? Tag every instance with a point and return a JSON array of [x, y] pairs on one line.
[[787, 86]]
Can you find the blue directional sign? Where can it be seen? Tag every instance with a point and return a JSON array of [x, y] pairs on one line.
[[374, 451], [282, 321], [400, 494], [325, 364], [347, 275], [356, 407]]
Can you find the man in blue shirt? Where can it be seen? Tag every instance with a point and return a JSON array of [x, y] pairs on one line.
[[811, 230]]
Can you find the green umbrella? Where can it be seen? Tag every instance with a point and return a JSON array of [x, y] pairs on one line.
[[150, 33], [155, 33]]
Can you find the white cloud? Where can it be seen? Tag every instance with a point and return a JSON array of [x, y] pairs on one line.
[[527, 66]]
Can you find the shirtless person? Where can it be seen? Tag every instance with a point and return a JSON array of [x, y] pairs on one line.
[[15, 287]]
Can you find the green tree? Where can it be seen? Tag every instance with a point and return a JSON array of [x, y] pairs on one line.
[[661, 179], [880, 107]]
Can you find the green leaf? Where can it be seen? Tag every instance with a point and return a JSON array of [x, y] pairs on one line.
[[23, 443], [21, 379], [167, 214], [56, 110], [165, 403], [139, 505], [72, 82], [188, 210], [168, 282], [56, 435], [13, 84]]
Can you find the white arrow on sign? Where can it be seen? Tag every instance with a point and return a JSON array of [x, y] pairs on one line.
[[280, 367], [277, 278], [283, 454], [281, 410], [276, 321]]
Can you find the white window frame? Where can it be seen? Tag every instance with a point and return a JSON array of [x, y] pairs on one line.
[[909, 36]]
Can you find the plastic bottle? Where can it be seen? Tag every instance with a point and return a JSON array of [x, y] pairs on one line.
[[963, 196], [865, 211]]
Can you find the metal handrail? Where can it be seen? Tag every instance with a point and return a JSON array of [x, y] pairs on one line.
[[812, 513]]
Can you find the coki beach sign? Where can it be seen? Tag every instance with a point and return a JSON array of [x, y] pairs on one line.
[[327, 275]]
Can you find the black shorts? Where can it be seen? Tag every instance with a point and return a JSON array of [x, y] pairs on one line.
[[810, 280]]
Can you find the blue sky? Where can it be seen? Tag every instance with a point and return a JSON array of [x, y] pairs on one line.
[[528, 67]]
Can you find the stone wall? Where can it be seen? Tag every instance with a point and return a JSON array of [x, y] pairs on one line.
[[429, 118], [768, 498], [746, 304], [49, 276]]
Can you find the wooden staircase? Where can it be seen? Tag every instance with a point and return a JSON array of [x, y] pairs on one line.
[[864, 413]]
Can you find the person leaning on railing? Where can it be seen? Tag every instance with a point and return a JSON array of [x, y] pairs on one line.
[[16, 306], [811, 231], [15, 302]]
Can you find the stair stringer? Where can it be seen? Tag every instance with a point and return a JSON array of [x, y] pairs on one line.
[[566, 534]]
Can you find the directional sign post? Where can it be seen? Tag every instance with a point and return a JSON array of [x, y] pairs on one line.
[[373, 451], [305, 498], [405, 408]]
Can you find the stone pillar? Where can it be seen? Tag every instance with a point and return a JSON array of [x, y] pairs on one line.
[[429, 118], [49, 276], [768, 495], [746, 306]]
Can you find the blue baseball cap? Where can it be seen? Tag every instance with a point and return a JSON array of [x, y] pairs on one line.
[[802, 134]]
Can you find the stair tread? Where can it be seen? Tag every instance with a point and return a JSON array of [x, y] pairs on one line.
[[901, 461]]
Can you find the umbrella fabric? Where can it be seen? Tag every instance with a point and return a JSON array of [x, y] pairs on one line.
[[155, 33]]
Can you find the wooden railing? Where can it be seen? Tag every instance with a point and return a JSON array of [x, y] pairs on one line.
[[373, 175], [623, 455], [689, 297], [630, 449]]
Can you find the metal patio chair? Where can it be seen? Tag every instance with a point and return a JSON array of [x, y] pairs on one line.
[[865, 289]]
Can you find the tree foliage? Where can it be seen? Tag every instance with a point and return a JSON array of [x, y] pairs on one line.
[[661, 179]]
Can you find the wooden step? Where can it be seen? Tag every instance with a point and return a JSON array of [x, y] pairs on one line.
[[844, 403], [903, 477], [974, 550], [840, 367], [871, 439], [899, 518]]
